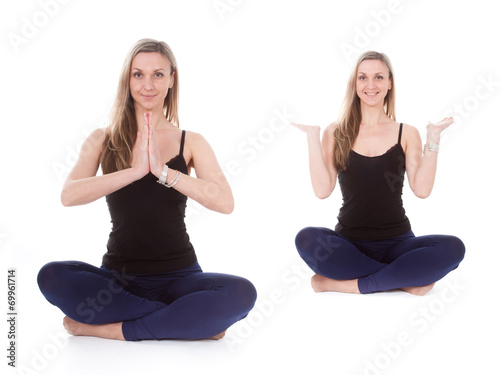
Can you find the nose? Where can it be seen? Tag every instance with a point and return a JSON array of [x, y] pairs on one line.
[[371, 82], [148, 83]]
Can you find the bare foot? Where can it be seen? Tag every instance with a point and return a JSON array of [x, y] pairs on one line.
[[106, 331], [418, 290], [218, 337], [321, 283], [71, 326]]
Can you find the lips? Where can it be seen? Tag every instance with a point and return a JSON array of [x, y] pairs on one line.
[[371, 94], [148, 97]]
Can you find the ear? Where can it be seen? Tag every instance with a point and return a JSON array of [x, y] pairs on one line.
[[172, 80], [390, 84]]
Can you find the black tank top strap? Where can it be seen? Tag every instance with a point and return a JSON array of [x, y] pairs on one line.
[[400, 132], [182, 142]]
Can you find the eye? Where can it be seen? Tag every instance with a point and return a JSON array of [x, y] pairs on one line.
[[362, 78], [380, 77], [137, 75], [158, 75]]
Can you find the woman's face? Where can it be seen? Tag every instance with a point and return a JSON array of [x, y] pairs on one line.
[[372, 82], [150, 79]]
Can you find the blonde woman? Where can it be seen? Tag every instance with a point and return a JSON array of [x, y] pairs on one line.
[[373, 247], [150, 285]]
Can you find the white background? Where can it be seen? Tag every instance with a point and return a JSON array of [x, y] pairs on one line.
[[239, 67]]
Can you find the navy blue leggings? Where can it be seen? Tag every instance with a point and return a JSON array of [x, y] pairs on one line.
[[403, 261], [185, 304]]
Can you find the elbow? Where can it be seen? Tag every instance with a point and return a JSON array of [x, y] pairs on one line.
[[324, 192], [66, 202], [322, 195], [66, 199], [228, 208], [422, 194], [420, 189]]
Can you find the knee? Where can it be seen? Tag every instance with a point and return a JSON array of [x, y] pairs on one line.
[[249, 294], [451, 250], [48, 276], [456, 248], [305, 239], [316, 245], [244, 294], [51, 277]]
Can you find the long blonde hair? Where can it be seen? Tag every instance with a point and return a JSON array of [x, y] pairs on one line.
[[347, 129], [122, 131]]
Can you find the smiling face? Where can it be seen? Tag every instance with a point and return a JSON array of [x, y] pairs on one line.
[[150, 79], [372, 82]]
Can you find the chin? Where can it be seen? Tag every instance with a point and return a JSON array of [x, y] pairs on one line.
[[147, 107]]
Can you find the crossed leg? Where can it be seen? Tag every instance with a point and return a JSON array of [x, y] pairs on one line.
[[100, 303], [413, 265]]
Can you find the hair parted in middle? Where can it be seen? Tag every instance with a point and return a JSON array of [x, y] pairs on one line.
[[122, 131], [347, 129]]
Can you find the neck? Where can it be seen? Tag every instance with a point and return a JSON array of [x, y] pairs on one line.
[[372, 116]]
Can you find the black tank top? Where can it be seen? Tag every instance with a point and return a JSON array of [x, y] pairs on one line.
[[372, 189], [148, 233]]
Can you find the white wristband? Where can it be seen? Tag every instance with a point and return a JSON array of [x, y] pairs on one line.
[[175, 180], [431, 146], [163, 175]]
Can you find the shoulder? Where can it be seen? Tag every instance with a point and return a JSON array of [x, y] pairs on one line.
[[410, 132], [194, 139], [410, 137], [197, 145], [331, 128], [329, 134], [98, 134], [96, 138], [199, 154]]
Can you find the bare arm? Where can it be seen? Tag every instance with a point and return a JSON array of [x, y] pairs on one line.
[[321, 159], [421, 170], [210, 187], [83, 186]]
